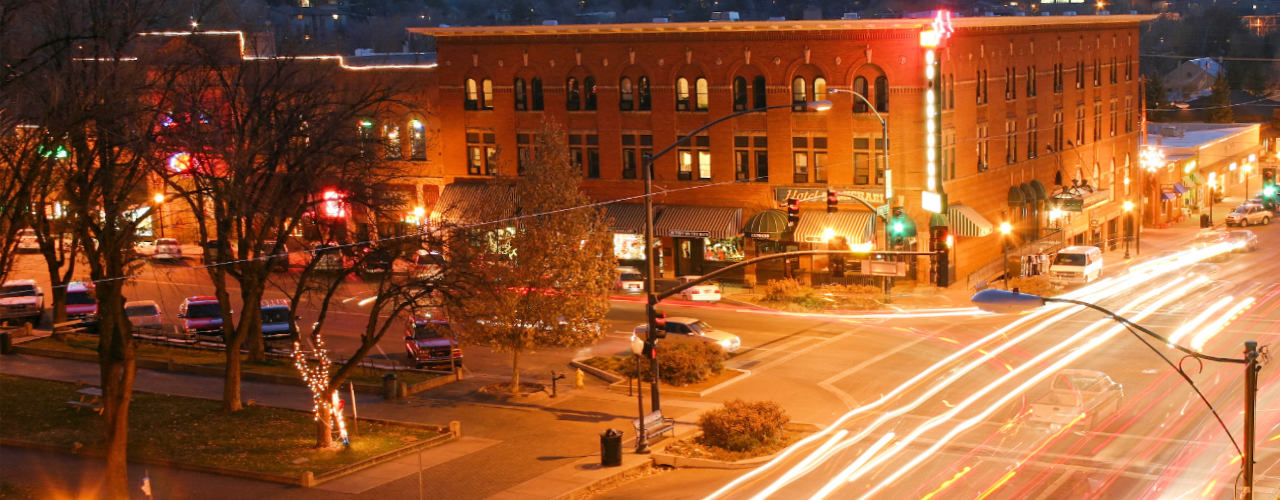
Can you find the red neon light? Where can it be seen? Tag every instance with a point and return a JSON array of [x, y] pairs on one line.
[[333, 204]]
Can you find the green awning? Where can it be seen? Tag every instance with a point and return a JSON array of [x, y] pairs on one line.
[[1016, 197], [1028, 194], [1041, 193], [767, 225]]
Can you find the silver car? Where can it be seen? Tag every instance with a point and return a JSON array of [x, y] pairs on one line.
[[1243, 240], [1249, 214], [690, 330]]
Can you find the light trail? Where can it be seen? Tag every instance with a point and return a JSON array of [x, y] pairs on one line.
[[1018, 465], [1190, 326], [856, 468], [820, 454], [1214, 328]]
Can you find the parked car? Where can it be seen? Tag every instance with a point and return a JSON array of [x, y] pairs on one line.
[[276, 319], [705, 292], [145, 316], [82, 305], [682, 329], [418, 265], [329, 258], [629, 280], [1076, 264], [1249, 214], [28, 241], [430, 341], [1243, 239], [210, 248], [376, 261], [1073, 392], [201, 317], [167, 249], [22, 300]]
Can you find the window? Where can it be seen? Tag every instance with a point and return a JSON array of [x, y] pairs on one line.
[[1115, 71], [391, 135], [642, 89], [1010, 83], [1031, 81], [481, 153], [1057, 78], [521, 94], [701, 97], [810, 155], [682, 94], [473, 95], [739, 94], [758, 92], [882, 94], [1011, 141], [418, 139], [696, 158], [1033, 136], [589, 93], [524, 148], [749, 152], [635, 147], [364, 135], [860, 87], [1115, 118], [949, 154], [1128, 69], [1097, 121], [1128, 114], [1079, 125], [572, 94], [535, 92], [982, 147], [982, 87], [584, 151], [862, 160], [1097, 72], [820, 159], [626, 95], [799, 94], [819, 89], [486, 94], [1080, 74], [1057, 130]]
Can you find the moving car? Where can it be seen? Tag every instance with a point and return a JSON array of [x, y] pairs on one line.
[[329, 258], [28, 241], [430, 341], [82, 305], [1209, 238], [145, 316], [1243, 239], [1073, 392], [705, 292], [1080, 264], [276, 319], [201, 317], [21, 300], [629, 280], [1249, 214], [167, 249], [682, 329]]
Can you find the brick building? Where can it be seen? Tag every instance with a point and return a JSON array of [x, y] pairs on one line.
[[1039, 127]]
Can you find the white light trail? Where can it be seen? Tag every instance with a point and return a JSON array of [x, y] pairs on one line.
[[1214, 328], [855, 469], [1190, 326], [821, 454]]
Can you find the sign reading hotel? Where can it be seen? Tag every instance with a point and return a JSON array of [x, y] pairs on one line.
[[811, 194], [933, 198]]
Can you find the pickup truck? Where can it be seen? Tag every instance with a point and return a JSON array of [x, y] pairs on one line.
[[1072, 392]]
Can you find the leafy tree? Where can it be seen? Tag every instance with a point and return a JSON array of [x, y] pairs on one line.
[[547, 276], [1219, 102]]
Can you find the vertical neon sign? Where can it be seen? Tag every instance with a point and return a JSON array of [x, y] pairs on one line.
[[933, 198]]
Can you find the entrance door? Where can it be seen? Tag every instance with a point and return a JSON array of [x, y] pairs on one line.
[[688, 256]]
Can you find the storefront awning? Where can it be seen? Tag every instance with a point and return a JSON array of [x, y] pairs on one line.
[[965, 221], [470, 204], [1179, 188], [856, 227], [699, 222], [1016, 197], [1167, 196], [627, 218], [766, 225], [1028, 194], [1038, 187]]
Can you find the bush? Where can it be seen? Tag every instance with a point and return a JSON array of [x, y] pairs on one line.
[[1036, 285], [689, 363], [743, 426], [790, 291]]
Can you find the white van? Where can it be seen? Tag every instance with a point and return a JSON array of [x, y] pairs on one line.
[[1080, 264]]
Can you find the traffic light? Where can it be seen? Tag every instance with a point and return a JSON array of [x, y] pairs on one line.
[[1268, 181], [832, 201], [940, 244], [793, 213], [659, 332]]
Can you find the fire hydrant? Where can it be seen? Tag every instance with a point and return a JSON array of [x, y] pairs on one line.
[[578, 382]]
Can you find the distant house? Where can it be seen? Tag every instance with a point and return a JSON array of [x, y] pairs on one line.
[[1192, 79]]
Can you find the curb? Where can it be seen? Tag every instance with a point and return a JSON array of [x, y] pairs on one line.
[[616, 382], [587, 490], [709, 463]]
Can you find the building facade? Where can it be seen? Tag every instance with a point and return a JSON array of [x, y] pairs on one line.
[[1033, 111]]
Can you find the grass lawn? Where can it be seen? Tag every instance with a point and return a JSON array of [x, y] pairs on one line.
[[193, 431], [198, 357]]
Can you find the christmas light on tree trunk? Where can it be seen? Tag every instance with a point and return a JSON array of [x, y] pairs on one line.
[[317, 380]]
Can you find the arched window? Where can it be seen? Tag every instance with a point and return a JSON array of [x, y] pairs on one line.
[[391, 135], [572, 94], [643, 103], [626, 95], [860, 86], [589, 93], [798, 94], [700, 87], [521, 94], [739, 94], [882, 94], [819, 89], [535, 94], [682, 94], [758, 92], [365, 128], [418, 139], [486, 95], [473, 95]]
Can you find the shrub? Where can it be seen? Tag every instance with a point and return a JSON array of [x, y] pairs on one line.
[[787, 290], [1036, 285], [689, 363], [743, 426]]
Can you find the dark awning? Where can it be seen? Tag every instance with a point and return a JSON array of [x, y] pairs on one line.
[[1041, 193], [699, 222], [1028, 194], [1016, 198], [472, 204], [766, 225], [626, 217], [856, 227]]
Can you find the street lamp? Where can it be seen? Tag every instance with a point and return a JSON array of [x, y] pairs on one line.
[[1213, 182], [884, 147], [1248, 168], [1004, 302], [1128, 215], [1005, 229], [158, 198], [642, 444]]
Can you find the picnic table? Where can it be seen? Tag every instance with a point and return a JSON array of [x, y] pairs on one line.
[[89, 398]]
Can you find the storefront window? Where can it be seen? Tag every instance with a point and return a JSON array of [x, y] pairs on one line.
[[628, 246], [722, 250]]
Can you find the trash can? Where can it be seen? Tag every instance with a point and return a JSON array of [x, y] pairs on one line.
[[611, 448], [6, 343], [1205, 221], [389, 386]]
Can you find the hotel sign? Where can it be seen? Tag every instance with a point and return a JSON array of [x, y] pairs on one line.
[[807, 194]]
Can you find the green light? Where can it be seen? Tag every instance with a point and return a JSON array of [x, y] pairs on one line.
[[57, 153], [1269, 190], [897, 227], [366, 124]]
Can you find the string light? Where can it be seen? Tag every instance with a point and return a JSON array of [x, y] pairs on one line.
[[317, 380]]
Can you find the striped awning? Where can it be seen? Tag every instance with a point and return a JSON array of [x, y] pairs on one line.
[[626, 218], [965, 221], [856, 227], [699, 222], [766, 225], [471, 204]]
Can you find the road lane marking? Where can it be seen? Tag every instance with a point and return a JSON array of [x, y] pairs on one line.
[[829, 383]]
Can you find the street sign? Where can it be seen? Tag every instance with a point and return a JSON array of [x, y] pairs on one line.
[[884, 268], [675, 233], [1070, 204]]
